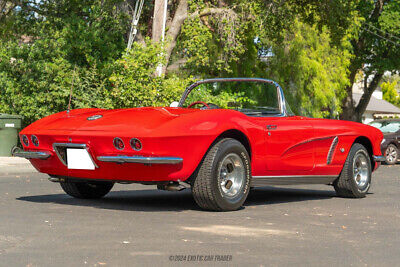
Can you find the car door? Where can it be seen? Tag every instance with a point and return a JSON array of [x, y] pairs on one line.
[[289, 145]]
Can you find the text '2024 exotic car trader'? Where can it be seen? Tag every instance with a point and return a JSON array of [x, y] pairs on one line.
[[255, 140]]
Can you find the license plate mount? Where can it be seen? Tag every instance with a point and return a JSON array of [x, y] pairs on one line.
[[79, 159]]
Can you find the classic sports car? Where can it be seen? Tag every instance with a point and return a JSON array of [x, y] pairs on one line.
[[255, 140], [391, 138]]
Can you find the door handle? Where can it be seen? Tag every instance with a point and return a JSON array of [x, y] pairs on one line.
[[272, 127]]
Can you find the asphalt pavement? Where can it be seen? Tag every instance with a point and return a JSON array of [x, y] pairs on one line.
[[139, 225]]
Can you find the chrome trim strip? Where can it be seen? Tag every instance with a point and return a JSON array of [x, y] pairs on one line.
[[331, 151], [378, 158], [306, 142], [69, 145], [292, 180], [72, 145], [31, 154], [140, 159]]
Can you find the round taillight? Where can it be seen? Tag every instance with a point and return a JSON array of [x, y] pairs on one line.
[[35, 140], [136, 144], [118, 143], [25, 140]]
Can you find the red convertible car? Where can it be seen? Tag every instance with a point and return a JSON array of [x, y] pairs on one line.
[[224, 137]]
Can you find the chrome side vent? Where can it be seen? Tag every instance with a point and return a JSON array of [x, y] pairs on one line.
[[331, 151]]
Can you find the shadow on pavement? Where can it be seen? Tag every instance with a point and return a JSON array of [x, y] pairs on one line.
[[155, 200], [276, 195]]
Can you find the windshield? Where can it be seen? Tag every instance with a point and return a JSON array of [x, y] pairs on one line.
[[386, 126], [254, 98]]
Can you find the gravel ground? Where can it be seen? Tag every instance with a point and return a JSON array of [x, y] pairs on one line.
[[139, 225]]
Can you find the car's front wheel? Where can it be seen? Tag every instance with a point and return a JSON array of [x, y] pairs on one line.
[[391, 154], [355, 179], [86, 189], [222, 182]]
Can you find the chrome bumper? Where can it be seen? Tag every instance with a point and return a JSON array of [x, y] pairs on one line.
[[379, 158], [143, 160], [18, 152]]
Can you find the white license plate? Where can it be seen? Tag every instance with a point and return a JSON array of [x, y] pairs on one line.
[[79, 159]]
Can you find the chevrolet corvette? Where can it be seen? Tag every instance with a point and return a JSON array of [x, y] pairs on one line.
[[224, 137]]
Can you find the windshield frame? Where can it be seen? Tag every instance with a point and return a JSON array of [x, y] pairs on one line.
[[281, 96]]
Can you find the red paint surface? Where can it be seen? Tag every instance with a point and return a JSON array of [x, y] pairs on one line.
[[298, 145]]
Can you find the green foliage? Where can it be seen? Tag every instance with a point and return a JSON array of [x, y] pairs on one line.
[[221, 99], [221, 45], [390, 93], [49, 48], [134, 83], [312, 72], [380, 34], [35, 86]]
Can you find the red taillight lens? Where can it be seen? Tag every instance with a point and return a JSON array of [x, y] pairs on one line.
[[35, 140], [118, 143], [25, 140], [136, 144]]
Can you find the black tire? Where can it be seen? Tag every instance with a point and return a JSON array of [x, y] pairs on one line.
[[207, 186], [391, 154], [87, 190], [348, 184]]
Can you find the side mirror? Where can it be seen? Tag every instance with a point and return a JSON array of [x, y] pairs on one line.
[[174, 104]]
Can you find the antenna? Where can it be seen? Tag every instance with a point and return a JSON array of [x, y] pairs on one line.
[[70, 91]]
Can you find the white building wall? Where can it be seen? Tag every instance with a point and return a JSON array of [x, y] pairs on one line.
[[367, 117], [378, 94]]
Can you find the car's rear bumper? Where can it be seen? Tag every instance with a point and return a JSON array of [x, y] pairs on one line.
[[135, 168], [17, 152], [378, 158], [140, 159]]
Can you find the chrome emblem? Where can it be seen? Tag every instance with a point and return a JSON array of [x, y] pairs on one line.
[[94, 117]]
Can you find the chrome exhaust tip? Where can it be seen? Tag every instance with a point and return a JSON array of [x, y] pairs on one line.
[[56, 179], [172, 186]]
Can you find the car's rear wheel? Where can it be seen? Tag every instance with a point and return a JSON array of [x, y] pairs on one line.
[[391, 154], [222, 182], [86, 189], [355, 178]]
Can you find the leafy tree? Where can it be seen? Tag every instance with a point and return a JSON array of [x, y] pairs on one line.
[[312, 71], [48, 47], [390, 93], [375, 47], [134, 84]]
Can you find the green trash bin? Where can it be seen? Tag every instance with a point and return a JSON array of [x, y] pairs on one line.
[[9, 127]]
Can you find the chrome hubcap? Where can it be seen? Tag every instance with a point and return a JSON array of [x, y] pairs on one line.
[[231, 175], [391, 154], [360, 170]]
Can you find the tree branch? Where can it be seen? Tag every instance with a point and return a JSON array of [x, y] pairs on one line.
[[175, 28], [212, 11], [181, 14]]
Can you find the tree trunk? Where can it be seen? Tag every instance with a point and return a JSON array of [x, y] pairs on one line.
[[348, 102], [181, 14], [349, 111], [366, 97], [158, 20]]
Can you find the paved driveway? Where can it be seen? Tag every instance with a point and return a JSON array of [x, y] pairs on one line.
[[134, 224]]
